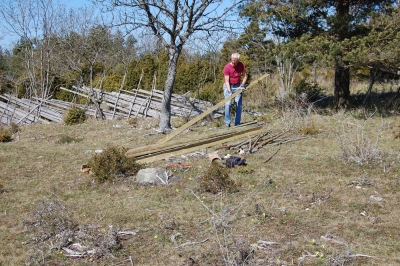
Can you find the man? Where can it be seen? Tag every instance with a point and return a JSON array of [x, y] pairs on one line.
[[233, 71]]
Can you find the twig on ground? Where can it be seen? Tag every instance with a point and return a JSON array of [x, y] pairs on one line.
[[348, 255], [302, 258], [250, 151], [261, 244], [72, 253], [205, 206], [173, 239], [125, 233], [165, 182], [283, 141], [266, 161], [192, 243], [359, 255], [329, 238], [260, 136], [123, 261]]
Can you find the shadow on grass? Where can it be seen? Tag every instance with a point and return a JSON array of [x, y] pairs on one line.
[[383, 104]]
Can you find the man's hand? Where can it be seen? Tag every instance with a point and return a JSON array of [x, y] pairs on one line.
[[242, 87]]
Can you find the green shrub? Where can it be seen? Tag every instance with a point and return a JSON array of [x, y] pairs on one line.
[[217, 179], [311, 90], [209, 93], [112, 82], [5, 135], [75, 115], [112, 163]]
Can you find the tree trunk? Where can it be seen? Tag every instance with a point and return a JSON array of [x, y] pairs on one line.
[[165, 114], [342, 71], [342, 84]]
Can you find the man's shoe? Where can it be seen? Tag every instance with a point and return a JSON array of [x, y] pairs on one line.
[[227, 125]]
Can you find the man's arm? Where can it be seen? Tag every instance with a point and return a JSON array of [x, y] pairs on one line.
[[226, 80], [244, 78]]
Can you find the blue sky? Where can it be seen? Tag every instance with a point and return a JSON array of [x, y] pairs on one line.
[[7, 40], [77, 3]]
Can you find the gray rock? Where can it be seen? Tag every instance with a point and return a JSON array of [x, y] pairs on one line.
[[149, 176]]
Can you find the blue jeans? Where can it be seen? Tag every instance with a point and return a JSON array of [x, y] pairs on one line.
[[228, 104]]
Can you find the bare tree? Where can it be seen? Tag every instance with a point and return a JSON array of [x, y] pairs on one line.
[[37, 23], [173, 22], [86, 49], [125, 55]]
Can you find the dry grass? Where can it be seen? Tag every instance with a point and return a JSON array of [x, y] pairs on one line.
[[306, 206]]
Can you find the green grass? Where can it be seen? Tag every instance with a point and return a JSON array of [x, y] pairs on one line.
[[306, 191]]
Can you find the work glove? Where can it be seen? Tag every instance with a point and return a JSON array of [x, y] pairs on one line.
[[242, 87]]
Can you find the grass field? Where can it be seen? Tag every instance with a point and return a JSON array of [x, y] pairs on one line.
[[330, 199]]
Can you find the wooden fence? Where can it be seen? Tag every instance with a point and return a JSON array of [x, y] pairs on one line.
[[109, 105]]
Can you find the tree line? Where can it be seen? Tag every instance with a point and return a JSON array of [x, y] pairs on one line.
[[181, 46]]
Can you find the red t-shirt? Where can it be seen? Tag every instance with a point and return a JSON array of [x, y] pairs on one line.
[[234, 73]]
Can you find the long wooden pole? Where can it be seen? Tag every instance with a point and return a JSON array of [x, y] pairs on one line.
[[204, 114]]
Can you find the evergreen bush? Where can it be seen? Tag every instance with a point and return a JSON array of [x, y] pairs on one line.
[[309, 89], [209, 93], [75, 115], [112, 163]]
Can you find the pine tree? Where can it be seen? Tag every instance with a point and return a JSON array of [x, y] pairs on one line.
[[333, 21]]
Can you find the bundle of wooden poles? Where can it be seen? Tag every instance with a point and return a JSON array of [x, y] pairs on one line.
[[250, 137], [184, 145]]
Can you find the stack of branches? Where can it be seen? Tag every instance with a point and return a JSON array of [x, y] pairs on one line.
[[263, 140]]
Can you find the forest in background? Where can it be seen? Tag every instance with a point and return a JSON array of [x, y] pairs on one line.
[[62, 47]]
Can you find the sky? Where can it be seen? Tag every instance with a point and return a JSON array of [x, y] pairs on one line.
[[75, 3], [7, 40]]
